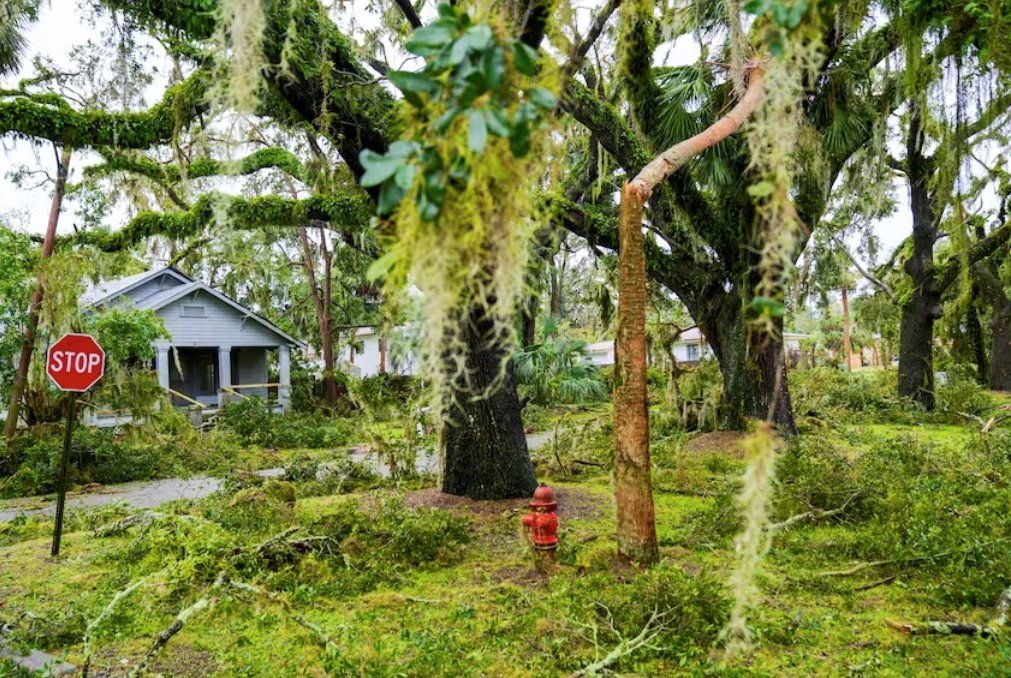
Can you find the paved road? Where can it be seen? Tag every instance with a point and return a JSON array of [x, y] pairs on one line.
[[149, 494]]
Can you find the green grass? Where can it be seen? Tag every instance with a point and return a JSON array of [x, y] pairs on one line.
[[483, 610]]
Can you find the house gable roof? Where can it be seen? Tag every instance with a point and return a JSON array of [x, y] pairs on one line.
[[165, 297], [109, 290]]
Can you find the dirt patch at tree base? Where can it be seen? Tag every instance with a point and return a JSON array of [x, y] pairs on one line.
[[573, 504], [727, 443]]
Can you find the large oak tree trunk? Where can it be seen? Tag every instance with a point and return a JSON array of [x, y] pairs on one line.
[[484, 447], [916, 329], [633, 487], [1000, 349], [916, 348], [753, 365]]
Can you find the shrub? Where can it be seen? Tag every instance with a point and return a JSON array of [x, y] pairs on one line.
[[249, 418], [960, 394], [694, 609], [939, 511], [253, 421], [558, 370]]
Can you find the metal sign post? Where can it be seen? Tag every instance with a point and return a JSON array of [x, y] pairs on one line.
[[75, 363], [61, 498]]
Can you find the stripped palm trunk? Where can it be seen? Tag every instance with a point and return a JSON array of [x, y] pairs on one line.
[[633, 487], [35, 309]]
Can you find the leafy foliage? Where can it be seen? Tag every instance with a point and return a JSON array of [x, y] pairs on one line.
[[558, 370], [464, 79], [256, 424]]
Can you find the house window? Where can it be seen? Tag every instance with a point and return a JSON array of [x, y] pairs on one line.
[[693, 352], [193, 311]]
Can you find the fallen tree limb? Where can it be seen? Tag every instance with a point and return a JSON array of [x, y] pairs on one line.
[[939, 628], [118, 527], [178, 623], [625, 647], [324, 639], [875, 584], [814, 514], [109, 609], [942, 628]]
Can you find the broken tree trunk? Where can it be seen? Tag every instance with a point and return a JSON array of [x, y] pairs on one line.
[[34, 309], [633, 488]]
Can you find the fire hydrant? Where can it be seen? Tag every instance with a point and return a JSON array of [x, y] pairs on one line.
[[542, 526]]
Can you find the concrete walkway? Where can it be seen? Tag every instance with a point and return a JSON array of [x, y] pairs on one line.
[[153, 493]]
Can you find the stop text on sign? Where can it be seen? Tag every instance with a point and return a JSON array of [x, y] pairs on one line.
[[68, 361], [75, 362]]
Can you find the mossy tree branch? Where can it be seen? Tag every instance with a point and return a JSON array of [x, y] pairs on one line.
[[51, 118], [347, 214], [313, 68], [264, 158]]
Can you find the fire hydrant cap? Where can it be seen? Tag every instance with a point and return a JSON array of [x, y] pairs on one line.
[[544, 498]]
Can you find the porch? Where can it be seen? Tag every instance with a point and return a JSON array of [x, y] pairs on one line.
[[211, 376]]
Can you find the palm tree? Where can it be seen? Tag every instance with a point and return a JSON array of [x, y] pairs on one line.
[[558, 370], [15, 15]]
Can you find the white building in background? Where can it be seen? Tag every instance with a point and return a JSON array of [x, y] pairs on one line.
[[375, 353], [690, 348], [601, 353]]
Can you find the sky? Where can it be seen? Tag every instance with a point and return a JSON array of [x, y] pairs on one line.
[[63, 24]]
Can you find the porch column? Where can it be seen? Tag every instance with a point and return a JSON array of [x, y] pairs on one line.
[[224, 373], [284, 373], [163, 367]]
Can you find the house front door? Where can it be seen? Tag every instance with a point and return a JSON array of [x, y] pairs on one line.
[[198, 378]]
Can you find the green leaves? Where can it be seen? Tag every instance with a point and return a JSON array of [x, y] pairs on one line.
[[477, 134], [785, 14], [524, 58], [768, 307], [542, 98], [466, 75], [378, 168]]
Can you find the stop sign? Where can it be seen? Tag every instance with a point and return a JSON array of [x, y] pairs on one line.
[[75, 362]]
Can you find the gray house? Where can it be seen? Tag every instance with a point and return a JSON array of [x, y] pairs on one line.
[[218, 347]]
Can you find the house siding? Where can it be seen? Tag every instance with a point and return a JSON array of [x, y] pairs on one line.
[[222, 325], [250, 368]]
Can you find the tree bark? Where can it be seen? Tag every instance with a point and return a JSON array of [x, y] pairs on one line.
[[1000, 349], [919, 312], [633, 487], [484, 447], [322, 301], [34, 310], [753, 366], [999, 377], [847, 329]]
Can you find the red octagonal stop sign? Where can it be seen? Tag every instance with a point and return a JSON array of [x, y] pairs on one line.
[[75, 362]]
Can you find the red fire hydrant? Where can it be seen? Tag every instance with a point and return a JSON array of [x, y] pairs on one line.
[[542, 525]]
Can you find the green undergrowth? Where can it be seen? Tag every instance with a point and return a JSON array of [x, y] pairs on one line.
[[247, 436], [898, 522]]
